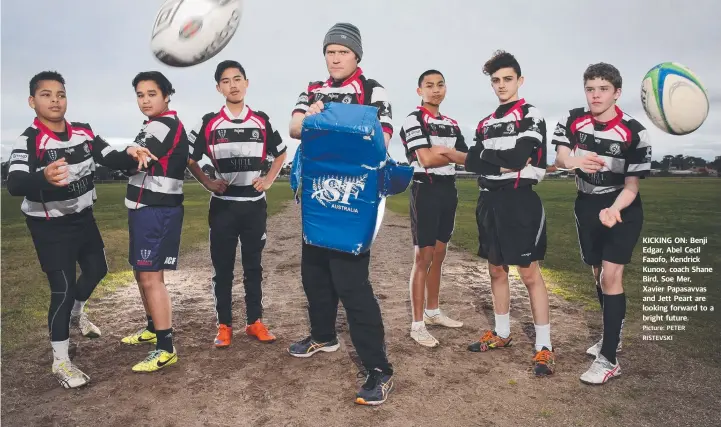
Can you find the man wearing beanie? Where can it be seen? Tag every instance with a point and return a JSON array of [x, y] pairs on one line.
[[329, 275]]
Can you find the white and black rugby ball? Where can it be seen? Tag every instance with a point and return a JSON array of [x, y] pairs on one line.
[[188, 32]]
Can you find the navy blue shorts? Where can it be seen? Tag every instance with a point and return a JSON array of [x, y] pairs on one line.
[[154, 237]]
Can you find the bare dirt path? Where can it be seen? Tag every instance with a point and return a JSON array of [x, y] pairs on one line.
[[261, 385]]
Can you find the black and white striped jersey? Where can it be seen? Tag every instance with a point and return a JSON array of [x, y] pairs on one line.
[[622, 143], [237, 147], [162, 183], [508, 138], [422, 129], [356, 89], [38, 147]]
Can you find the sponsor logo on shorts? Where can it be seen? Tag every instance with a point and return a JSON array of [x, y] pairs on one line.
[[170, 260], [144, 254]]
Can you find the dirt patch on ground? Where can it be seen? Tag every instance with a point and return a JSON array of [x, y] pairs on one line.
[[261, 385]]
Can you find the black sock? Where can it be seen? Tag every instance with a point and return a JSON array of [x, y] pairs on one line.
[[599, 291], [614, 311], [151, 325], [165, 340]]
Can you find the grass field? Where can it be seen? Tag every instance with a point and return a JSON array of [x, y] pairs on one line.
[[25, 292], [676, 207], [673, 207]]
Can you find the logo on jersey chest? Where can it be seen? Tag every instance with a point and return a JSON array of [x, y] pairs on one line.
[[615, 149], [221, 136]]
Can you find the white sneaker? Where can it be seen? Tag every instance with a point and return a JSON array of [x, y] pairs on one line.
[[595, 349], [441, 320], [601, 371], [84, 325], [69, 376], [423, 337]]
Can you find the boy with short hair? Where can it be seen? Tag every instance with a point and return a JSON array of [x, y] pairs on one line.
[[610, 151]]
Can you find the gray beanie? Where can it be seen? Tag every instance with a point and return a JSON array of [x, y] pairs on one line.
[[347, 35]]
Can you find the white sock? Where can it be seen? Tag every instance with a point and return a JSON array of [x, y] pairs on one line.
[[418, 325], [503, 325], [434, 312], [78, 307], [60, 351], [543, 337]]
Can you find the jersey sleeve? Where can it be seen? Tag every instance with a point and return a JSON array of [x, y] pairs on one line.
[[461, 142], [197, 142], [302, 104], [108, 156], [638, 156], [23, 178], [531, 131], [159, 136], [379, 99], [474, 161], [414, 135], [274, 141], [561, 133]]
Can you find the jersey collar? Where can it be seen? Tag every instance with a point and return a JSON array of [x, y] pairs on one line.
[[228, 115]]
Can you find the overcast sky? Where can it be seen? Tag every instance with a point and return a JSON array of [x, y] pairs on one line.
[[99, 46]]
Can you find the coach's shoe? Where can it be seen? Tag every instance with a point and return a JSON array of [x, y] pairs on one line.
[[544, 362], [488, 341], [156, 360], [376, 388], [84, 325], [224, 336], [423, 337], [595, 349], [601, 371], [441, 320], [308, 347], [260, 331], [143, 336], [69, 376]]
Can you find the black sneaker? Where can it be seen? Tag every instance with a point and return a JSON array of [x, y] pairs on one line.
[[376, 388], [308, 347]]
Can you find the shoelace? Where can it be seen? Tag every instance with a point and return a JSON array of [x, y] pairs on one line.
[[425, 335], [599, 366], [152, 355], [70, 370], [542, 356], [372, 379], [487, 336]]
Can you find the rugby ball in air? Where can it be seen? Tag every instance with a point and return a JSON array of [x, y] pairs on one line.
[[674, 98], [188, 32]]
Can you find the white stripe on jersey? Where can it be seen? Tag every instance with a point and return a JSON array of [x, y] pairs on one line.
[[23, 168], [158, 184], [612, 164], [638, 167], [58, 208], [78, 138], [80, 170]]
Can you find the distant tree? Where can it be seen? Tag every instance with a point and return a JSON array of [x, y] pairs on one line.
[[716, 164], [656, 165], [667, 162]]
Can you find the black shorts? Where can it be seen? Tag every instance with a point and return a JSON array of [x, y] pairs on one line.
[[59, 242], [511, 226], [600, 243], [154, 241], [433, 210]]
